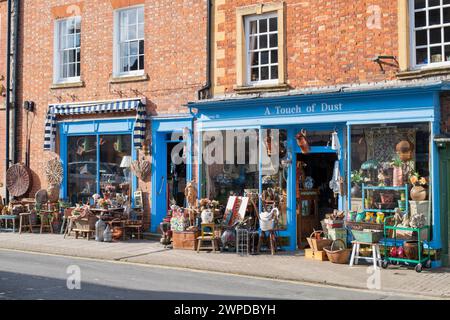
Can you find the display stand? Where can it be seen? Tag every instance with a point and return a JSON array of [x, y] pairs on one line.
[[421, 259], [368, 188]]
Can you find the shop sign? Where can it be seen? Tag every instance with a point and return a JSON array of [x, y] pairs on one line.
[[304, 109]]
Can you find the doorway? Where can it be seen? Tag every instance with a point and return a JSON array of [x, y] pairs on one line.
[[313, 193], [176, 178]]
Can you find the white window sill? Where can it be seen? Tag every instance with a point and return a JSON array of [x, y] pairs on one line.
[[68, 84], [267, 87], [129, 78], [423, 72]]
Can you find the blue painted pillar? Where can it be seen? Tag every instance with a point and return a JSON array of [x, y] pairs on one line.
[[291, 191]]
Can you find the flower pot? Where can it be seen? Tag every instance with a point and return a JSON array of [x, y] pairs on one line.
[[397, 179], [356, 191], [411, 249], [418, 193]]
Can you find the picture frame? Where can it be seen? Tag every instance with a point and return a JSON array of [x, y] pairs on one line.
[[138, 199]]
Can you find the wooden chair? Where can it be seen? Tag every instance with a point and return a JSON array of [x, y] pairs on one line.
[[135, 222], [25, 222], [208, 234]]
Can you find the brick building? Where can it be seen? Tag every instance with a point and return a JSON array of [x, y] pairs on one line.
[[323, 66]]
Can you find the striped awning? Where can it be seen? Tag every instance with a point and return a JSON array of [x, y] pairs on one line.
[[73, 109]]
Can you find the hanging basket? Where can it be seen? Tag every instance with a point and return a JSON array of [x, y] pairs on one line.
[[41, 196], [18, 180], [54, 171]]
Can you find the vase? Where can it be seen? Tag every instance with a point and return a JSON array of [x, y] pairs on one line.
[[418, 193], [397, 179]]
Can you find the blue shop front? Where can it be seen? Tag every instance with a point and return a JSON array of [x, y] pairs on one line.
[[350, 151]]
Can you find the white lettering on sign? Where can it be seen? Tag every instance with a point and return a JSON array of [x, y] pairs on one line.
[[310, 108]]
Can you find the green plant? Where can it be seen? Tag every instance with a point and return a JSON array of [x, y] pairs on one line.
[[397, 162], [357, 176]]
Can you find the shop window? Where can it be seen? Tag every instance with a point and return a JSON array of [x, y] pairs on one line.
[[85, 169], [430, 32], [67, 50], [129, 41], [230, 166], [393, 155]]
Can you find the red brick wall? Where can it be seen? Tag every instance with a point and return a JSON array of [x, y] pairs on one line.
[[3, 20], [328, 42], [175, 48]]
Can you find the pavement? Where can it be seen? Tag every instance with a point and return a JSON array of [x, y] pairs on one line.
[[289, 266], [46, 277]]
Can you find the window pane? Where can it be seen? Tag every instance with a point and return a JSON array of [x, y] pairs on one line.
[[262, 25], [421, 38], [436, 54], [273, 40], [72, 70], [253, 27], [421, 56], [264, 73], [447, 15], [72, 55], [254, 58], [447, 53], [254, 74], [253, 44], [446, 2], [124, 50], [420, 19], [419, 4], [113, 177], [274, 72], [434, 17], [78, 55], [132, 32], [274, 56], [78, 69], [141, 62], [435, 35], [273, 22], [141, 47], [133, 63], [264, 57], [132, 16], [433, 3], [263, 41], [123, 34], [125, 67], [141, 31], [134, 48], [447, 34], [77, 41], [140, 15]]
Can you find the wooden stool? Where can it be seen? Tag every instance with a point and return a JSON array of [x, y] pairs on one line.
[[209, 235], [69, 226], [376, 255], [272, 241], [25, 222], [46, 222]]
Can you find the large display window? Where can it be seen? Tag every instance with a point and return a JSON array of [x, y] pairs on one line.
[[390, 166]]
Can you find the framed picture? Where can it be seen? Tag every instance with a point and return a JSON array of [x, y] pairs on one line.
[[138, 200]]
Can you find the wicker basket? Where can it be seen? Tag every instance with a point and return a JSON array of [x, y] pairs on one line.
[[86, 224], [316, 242], [338, 255]]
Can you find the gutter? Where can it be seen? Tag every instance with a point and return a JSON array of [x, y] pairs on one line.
[[205, 91]]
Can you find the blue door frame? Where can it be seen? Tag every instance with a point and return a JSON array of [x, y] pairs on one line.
[[161, 129], [95, 128]]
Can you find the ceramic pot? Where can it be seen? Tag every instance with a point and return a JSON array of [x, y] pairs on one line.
[[356, 191], [411, 249], [207, 216], [397, 179], [418, 193]]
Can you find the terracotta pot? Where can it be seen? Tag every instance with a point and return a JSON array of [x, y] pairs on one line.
[[418, 193], [411, 249], [397, 179], [117, 233]]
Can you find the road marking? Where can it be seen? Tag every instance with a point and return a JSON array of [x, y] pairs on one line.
[[305, 283]]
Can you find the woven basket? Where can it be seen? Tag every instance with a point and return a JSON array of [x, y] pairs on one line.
[[316, 242], [340, 255]]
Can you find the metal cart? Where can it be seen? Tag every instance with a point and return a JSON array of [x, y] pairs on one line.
[[420, 262]]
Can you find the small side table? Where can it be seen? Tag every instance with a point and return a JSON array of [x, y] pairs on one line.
[[376, 255], [6, 219]]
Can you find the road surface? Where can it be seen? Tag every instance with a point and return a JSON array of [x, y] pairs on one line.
[[36, 276]]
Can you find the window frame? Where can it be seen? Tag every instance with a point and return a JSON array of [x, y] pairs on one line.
[[412, 35], [117, 72], [248, 66], [57, 51]]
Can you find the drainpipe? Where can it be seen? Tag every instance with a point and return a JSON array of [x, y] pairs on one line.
[[205, 91], [8, 94], [15, 70]]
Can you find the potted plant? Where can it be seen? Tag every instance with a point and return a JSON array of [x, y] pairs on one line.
[[356, 178], [418, 191], [397, 180]]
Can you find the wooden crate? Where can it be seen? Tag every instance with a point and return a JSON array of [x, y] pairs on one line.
[[318, 255], [185, 240]]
